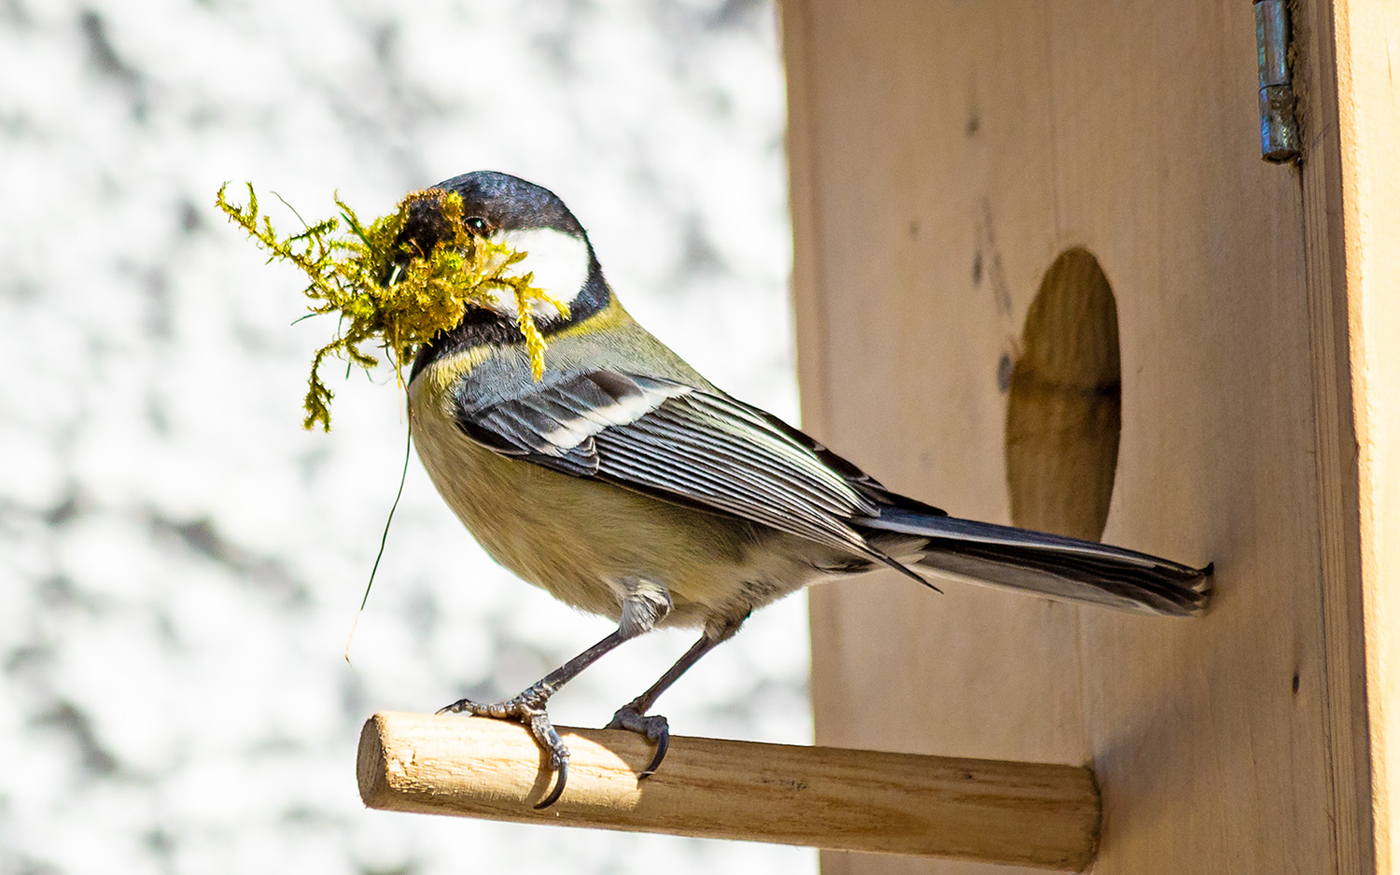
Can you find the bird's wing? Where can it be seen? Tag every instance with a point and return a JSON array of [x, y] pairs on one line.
[[683, 444]]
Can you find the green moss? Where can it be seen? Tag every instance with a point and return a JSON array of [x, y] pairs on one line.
[[395, 283]]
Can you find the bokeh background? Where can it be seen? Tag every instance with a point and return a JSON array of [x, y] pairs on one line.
[[180, 563]]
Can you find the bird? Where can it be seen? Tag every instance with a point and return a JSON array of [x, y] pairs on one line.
[[625, 484]]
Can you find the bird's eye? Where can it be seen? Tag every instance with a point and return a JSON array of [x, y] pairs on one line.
[[478, 225]]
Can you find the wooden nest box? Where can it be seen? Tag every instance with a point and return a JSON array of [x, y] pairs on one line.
[[1044, 277]]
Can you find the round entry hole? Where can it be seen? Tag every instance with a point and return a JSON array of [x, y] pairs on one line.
[[1064, 415]]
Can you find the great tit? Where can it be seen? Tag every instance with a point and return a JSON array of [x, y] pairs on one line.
[[625, 484]]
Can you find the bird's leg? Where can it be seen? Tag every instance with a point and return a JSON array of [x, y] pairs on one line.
[[642, 608], [633, 715], [529, 708]]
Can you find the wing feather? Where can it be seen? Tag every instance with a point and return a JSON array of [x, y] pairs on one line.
[[682, 444]]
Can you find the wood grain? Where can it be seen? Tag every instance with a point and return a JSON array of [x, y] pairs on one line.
[[1031, 814], [949, 153], [1367, 40], [1344, 681]]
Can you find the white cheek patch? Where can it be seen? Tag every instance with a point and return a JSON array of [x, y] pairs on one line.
[[558, 260]]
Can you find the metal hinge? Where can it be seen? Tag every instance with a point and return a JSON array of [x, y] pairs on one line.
[[1278, 124]]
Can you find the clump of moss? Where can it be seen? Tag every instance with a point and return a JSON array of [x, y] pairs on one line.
[[395, 282]]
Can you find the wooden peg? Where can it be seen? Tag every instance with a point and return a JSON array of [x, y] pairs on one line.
[[1028, 814]]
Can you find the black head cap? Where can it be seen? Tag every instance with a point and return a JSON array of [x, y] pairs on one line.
[[491, 202], [509, 203]]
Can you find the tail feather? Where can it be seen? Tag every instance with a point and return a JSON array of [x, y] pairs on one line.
[[1051, 565]]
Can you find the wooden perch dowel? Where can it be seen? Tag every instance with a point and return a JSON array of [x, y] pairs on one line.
[[1029, 814]]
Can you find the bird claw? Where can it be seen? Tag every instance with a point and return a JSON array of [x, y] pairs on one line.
[[563, 772], [654, 727], [528, 708]]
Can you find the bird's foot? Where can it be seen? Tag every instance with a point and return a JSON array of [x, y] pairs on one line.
[[528, 708], [655, 727]]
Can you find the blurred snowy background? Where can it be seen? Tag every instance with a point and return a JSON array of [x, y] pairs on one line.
[[181, 562]]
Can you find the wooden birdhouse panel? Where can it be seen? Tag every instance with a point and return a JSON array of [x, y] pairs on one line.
[[947, 157]]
